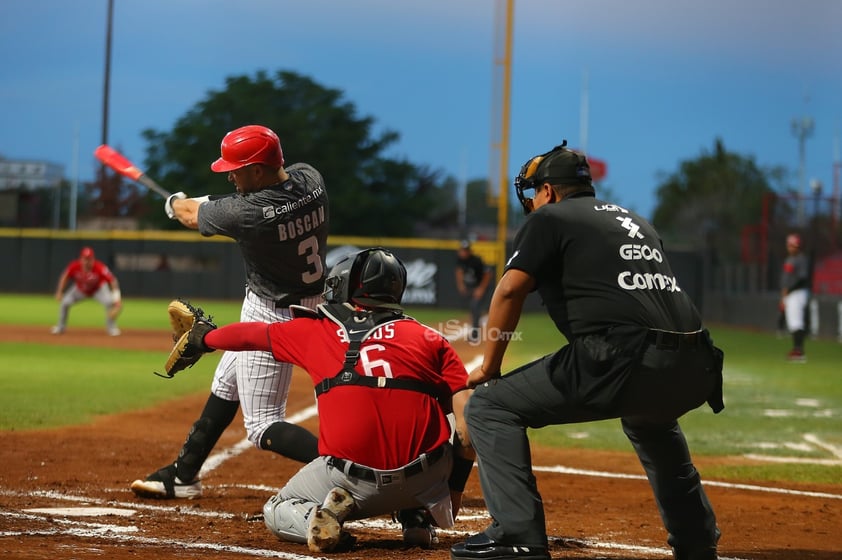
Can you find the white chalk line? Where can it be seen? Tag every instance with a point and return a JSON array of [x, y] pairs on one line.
[[814, 439], [118, 533], [750, 487]]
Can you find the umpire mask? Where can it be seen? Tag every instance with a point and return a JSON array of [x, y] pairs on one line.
[[559, 166]]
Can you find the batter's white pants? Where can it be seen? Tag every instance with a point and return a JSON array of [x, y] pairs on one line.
[[260, 383]]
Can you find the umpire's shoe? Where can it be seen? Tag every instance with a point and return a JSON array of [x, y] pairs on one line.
[[164, 484], [703, 553], [324, 531], [483, 547]]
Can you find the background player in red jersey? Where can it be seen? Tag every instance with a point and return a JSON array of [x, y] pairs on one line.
[[90, 278], [279, 218], [385, 384]]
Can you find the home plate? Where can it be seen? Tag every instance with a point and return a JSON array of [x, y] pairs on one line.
[[83, 511]]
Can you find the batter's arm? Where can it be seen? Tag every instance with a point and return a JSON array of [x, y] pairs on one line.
[[186, 210]]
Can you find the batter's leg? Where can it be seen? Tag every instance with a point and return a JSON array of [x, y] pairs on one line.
[[290, 441], [216, 417], [180, 479]]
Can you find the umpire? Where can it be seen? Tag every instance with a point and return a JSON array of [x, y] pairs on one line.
[[636, 350]]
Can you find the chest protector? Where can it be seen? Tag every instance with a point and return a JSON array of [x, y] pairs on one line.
[[357, 326]]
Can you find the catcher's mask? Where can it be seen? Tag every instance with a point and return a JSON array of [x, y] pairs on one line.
[[370, 278], [559, 166]]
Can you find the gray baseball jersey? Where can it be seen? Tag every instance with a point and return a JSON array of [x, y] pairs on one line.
[[282, 233]]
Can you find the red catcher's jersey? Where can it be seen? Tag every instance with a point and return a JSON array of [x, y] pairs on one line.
[[89, 281], [382, 428]]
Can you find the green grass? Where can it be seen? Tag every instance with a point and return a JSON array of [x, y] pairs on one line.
[[45, 386], [772, 407]]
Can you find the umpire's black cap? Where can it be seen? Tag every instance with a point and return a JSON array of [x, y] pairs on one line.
[[564, 166]]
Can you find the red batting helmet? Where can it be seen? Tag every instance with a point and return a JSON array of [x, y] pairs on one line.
[[247, 145]]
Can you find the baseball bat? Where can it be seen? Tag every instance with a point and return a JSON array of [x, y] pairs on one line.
[[119, 163]]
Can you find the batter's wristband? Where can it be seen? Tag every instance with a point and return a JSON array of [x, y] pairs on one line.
[[459, 474]]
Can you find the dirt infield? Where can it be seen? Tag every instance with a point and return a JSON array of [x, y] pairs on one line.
[[598, 504]]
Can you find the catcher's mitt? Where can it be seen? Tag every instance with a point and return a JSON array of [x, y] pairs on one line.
[[190, 325], [182, 316]]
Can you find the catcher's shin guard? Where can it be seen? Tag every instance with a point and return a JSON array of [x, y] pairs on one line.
[[205, 432]]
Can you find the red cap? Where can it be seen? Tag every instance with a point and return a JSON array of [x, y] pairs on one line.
[[86, 253], [247, 145]]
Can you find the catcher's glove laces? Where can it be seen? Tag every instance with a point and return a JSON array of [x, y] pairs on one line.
[[190, 325]]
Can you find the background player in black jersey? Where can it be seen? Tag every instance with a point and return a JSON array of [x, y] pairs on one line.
[[636, 350], [472, 280], [279, 218]]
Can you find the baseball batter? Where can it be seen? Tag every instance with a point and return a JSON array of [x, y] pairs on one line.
[[384, 384], [636, 350], [279, 218], [89, 278]]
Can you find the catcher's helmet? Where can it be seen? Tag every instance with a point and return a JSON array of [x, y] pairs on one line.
[[370, 278], [559, 166], [247, 145]]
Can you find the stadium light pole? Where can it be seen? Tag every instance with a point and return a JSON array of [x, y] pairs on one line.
[[106, 89], [802, 128]]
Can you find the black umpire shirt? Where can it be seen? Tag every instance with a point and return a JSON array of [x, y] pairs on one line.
[[598, 265]]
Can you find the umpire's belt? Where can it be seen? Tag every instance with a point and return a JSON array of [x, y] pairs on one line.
[[359, 471], [671, 340]]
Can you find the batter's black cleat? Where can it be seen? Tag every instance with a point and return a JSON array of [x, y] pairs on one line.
[[164, 484], [704, 553], [482, 547]]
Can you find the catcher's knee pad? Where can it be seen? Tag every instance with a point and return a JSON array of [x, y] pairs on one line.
[[287, 519]]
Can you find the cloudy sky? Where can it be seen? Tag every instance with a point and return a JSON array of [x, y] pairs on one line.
[[664, 78]]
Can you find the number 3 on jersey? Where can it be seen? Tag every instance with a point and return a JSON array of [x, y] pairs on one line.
[[309, 249]]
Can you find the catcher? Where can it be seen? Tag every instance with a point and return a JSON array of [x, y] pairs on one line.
[[401, 379]]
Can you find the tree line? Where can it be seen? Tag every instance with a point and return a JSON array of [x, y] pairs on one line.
[[713, 200]]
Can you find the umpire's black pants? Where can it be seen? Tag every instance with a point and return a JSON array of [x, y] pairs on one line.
[[616, 375]]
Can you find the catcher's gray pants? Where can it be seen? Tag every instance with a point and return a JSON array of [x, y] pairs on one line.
[[593, 378], [256, 379], [286, 513]]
